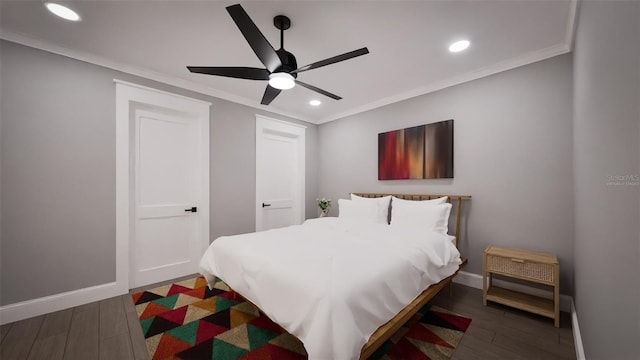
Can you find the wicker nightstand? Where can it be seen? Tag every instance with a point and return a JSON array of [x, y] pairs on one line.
[[533, 266]]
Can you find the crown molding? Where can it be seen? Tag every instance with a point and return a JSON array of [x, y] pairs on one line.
[[572, 24], [47, 46], [509, 64]]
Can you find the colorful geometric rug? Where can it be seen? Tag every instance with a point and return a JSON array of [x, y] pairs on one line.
[[186, 320]]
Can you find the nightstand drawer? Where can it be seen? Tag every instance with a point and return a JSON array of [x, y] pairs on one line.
[[521, 268]]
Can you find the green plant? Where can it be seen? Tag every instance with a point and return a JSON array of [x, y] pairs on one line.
[[323, 203]]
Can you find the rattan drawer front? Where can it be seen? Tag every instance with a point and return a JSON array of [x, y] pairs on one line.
[[518, 267]]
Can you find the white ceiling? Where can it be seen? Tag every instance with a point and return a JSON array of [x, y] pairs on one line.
[[407, 41]]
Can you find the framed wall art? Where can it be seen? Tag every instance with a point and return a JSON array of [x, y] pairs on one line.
[[420, 152]]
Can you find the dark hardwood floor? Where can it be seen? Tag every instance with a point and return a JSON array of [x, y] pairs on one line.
[[109, 329], [500, 332]]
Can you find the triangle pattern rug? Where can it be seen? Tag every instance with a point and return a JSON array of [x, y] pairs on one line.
[[187, 320]]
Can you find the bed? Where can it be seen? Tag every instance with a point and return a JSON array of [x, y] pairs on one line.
[[341, 285]]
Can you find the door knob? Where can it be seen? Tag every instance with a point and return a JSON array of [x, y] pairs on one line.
[[265, 205], [193, 209]]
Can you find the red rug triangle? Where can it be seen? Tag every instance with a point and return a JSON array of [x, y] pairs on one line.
[[177, 315], [419, 332], [152, 310], [207, 330], [271, 352], [176, 289], [404, 349], [197, 293], [231, 295], [456, 322], [260, 353], [265, 323], [169, 346], [282, 353], [136, 296]]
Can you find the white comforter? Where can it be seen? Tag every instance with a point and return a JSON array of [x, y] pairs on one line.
[[331, 282]]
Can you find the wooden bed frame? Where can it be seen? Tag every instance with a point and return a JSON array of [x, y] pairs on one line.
[[387, 330]]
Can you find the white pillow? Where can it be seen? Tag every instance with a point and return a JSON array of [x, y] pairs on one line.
[[426, 217], [358, 210], [382, 203], [437, 201]]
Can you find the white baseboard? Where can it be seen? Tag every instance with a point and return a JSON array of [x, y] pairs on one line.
[[48, 304], [475, 281], [577, 338]]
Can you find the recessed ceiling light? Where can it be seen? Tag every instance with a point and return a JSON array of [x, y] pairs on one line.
[[315, 102], [63, 11], [459, 45]]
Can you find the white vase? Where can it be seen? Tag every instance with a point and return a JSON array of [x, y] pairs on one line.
[[324, 213]]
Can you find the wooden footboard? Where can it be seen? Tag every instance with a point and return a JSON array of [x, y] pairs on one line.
[[387, 330]]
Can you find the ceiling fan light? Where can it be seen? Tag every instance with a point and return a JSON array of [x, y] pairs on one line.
[[281, 81], [62, 11]]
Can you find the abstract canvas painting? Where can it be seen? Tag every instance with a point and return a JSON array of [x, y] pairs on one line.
[[420, 152]]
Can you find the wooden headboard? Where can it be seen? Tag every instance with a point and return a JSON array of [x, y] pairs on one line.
[[458, 200]]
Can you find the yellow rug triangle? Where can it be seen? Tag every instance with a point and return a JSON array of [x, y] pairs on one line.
[[248, 308], [141, 307], [200, 282], [190, 283], [238, 317], [153, 342], [436, 352], [207, 304], [162, 290], [289, 342], [184, 300], [448, 335], [237, 336], [221, 286], [195, 313]]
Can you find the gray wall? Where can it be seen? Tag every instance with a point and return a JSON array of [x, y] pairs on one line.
[[58, 171], [512, 146], [607, 143]]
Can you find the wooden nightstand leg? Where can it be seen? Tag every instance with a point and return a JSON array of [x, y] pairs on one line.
[[484, 287]]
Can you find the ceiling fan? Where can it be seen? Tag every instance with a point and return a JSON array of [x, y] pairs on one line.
[[281, 67]]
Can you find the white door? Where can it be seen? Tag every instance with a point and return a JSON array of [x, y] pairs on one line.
[[162, 169], [280, 169]]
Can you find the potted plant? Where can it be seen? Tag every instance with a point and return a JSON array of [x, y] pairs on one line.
[[324, 205]]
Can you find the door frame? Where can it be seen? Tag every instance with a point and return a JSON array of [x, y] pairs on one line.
[[129, 96], [294, 130]]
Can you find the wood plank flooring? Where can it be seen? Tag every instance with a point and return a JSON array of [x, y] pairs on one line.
[[500, 332], [109, 329]]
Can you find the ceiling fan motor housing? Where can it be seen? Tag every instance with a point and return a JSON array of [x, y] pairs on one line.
[[289, 62]]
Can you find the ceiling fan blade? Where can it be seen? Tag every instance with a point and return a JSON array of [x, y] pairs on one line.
[[333, 60], [255, 38], [318, 90], [270, 93], [233, 72]]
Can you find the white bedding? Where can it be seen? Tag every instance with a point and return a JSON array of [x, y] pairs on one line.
[[331, 282]]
